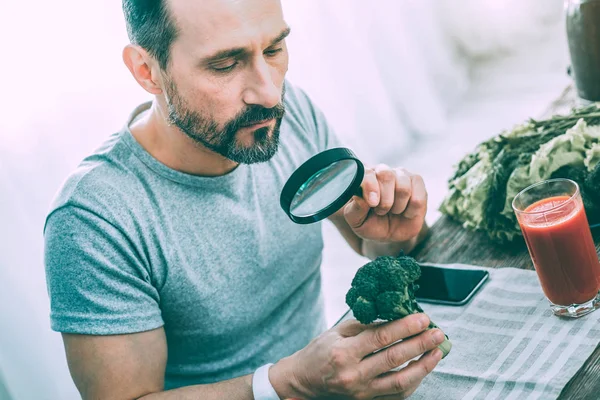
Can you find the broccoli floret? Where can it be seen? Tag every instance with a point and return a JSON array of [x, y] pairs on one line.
[[364, 309], [385, 289], [396, 305], [384, 276]]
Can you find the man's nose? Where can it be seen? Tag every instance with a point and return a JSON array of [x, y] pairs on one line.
[[261, 89]]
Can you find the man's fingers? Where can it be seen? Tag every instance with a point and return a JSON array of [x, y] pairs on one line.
[[395, 396], [357, 210], [407, 379], [370, 188], [403, 396], [377, 337], [350, 328], [400, 353], [387, 185], [402, 191], [387, 190], [417, 205]]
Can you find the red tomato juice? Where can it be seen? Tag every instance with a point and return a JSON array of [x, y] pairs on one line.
[[562, 250]]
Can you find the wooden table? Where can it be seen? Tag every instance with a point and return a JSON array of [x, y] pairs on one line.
[[448, 242]]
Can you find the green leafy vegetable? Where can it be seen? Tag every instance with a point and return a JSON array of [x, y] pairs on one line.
[[385, 289], [486, 181]]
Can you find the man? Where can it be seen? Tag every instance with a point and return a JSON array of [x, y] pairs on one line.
[[171, 270]]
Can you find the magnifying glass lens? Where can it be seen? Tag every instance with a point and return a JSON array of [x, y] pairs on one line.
[[322, 185], [323, 188]]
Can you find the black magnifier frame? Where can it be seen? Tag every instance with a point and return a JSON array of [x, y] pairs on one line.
[[311, 167]]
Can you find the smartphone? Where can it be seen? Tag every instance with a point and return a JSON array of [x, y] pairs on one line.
[[451, 286]]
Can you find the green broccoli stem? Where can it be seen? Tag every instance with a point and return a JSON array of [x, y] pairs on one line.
[[446, 345]]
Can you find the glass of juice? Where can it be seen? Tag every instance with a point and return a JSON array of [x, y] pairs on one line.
[[558, 236]]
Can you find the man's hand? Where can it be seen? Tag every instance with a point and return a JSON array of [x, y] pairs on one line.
[[392, 208], [342, 363]]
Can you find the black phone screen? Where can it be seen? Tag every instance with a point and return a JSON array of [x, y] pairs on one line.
[[448, 285]]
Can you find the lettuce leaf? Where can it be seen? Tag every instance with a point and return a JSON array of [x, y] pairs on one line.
[[485, 182]]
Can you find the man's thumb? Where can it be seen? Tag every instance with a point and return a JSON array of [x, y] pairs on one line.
[[356, 212]]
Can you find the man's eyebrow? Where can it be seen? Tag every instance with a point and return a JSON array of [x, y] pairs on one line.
[[223, 54], [281, 36], [238, 51]]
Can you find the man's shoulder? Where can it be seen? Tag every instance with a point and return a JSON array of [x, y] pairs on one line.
[[307, 121], [299, 106], [98, 180]]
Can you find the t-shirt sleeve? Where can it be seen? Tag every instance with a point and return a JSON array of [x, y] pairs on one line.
[[326, 135], [97, 281], [315, 119]]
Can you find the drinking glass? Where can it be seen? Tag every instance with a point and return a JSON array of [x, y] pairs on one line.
[[553, 221]]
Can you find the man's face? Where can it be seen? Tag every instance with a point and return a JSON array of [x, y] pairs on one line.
[[225, 81]]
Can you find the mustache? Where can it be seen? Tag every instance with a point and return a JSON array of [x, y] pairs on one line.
[[256, 113]]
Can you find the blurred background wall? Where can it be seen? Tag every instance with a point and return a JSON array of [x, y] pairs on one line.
[[414, 83]]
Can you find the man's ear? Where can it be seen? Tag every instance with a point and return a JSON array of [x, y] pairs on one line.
[[143, 67]]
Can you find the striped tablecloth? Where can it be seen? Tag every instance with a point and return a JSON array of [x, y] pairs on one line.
[[507, 344]]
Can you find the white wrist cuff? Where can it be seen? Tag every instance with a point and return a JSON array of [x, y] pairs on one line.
[[261, 386]]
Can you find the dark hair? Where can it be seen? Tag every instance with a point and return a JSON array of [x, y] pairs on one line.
[[151, 26]]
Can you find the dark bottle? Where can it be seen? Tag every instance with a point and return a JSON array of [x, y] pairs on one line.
[[583, 33]]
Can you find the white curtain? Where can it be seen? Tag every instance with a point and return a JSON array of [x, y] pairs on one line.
[[383, 71], [64, 90]]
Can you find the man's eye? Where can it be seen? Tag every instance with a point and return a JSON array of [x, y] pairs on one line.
[[226, 68], [273, 52]]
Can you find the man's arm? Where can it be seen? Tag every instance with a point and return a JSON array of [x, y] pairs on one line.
[[341, 362], [133, 367]]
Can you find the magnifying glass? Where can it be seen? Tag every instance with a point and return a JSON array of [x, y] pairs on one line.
[[322, 185]]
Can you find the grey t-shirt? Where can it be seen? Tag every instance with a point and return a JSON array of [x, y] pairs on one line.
[[132, 245]]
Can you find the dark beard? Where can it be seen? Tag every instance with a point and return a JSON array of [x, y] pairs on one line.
[[205, 131]]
